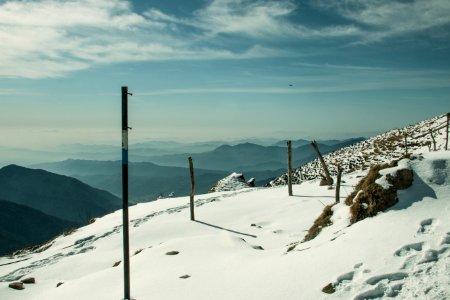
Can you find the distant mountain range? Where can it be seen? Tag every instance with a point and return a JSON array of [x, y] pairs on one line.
[[147, 180], [22, 226], [250, 157], [59, 196], [169, 173]]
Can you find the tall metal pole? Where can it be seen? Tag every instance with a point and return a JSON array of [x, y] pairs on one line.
[[126, 234]]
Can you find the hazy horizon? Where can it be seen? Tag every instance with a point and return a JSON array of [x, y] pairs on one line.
[[218, 70]]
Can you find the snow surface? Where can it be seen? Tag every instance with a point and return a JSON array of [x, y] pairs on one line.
[[401, 253], [238, 247]]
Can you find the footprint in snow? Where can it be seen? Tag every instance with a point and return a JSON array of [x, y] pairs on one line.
[[426, 226], [409, 249]]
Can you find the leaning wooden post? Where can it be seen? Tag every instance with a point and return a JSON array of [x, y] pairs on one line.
[[324, 166], [191, 171], [289, 148], [434, 141], [446, 131], [338, 183]]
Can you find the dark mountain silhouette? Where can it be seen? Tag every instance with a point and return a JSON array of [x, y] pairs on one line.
[[147, 180], [55, 195], [22, 226]]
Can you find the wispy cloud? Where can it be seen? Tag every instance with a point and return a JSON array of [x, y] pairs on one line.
[[51, 38], [381, 19]]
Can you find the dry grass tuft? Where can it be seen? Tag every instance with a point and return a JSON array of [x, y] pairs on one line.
[[322, 221]]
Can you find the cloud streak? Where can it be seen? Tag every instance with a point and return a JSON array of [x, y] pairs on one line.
[[51, 38], [384, 19]]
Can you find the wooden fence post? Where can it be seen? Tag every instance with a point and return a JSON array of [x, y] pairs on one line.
[[191, 171], [446, 131], [406, 144], [432, 137], [289, 148], [324, 166], [338, 183]]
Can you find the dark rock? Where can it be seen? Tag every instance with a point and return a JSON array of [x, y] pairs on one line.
[[257, 247], [117, 263], [329, 289], [17, 286], [185, 276], [251, 182], [59, 284], [172, 253], [28, 280], [323, 181], [253, 225]]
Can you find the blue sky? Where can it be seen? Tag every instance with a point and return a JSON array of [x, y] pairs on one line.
[[225, 69]]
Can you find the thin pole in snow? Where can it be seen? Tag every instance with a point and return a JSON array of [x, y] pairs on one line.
[[191, 198], [446, 131], [126, 234], [289, 148]]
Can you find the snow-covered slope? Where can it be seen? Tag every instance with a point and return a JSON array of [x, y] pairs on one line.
[[379, 149], [238, 248]]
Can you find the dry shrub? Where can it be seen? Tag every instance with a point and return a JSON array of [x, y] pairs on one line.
[[371, 197], [372, 200], [366, 181], [322, 221]]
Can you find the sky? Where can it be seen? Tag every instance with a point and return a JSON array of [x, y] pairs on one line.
[[219, 70]]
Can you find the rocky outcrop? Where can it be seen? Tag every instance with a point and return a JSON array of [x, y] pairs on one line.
[[233, 182]]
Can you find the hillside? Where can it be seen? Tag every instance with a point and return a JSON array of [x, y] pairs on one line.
[[22, 226], [379, 149], [241, 247], [55, 195]]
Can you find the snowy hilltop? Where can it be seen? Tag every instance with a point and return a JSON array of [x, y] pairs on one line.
[[251, 244], [379, 149]]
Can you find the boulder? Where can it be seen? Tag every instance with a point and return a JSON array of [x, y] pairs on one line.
[[29, 280], [17, 286]]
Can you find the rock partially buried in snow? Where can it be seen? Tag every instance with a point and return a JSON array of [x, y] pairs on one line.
[[329, 289], [29, 280], [117, 263], [172, 253], [17, 286], [233, 182], [258, 247], [59, 284], [185, 276]]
